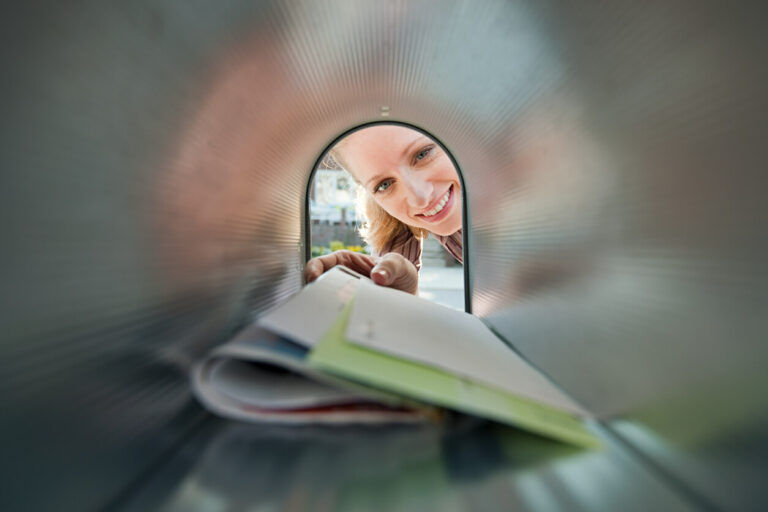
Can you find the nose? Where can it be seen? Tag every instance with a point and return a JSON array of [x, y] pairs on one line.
[[419, 190]]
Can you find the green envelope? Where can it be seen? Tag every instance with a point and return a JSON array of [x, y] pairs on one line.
[[335, 354]]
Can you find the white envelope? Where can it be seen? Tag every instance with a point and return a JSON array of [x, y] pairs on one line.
[[413, 328], [307, 316]]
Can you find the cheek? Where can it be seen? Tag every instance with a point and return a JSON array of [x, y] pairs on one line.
[[445, 171], [394, 206]]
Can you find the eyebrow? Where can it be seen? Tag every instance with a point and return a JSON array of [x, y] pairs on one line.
[[416, 141], [374, 179]]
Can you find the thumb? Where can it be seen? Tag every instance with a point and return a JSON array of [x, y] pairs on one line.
[[382, 275], [394, 271]]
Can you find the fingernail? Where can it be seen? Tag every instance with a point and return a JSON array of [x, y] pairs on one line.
[[383, 273]]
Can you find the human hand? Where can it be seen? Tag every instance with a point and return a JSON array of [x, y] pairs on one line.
[[392, 270]]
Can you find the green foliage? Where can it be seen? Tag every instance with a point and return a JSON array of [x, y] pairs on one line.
[[320, 251], [336, 245]]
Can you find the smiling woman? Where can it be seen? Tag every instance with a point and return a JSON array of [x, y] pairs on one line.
[[411, 189]]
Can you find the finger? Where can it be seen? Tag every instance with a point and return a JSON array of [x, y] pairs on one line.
[[382, 275], [313, 270], [361, 263], [316, 267], [395, 271], [320, 265]]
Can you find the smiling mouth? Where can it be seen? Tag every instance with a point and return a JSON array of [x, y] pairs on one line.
[[439, 206]]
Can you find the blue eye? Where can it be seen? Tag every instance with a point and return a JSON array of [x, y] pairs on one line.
[[383, 186], [424, 153]]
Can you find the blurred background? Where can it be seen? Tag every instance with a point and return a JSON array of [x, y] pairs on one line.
[[334, 220]]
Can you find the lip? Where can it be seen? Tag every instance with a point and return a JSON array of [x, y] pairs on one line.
[[444, 212]]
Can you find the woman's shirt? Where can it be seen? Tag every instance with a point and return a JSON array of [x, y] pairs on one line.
[[408, 245]]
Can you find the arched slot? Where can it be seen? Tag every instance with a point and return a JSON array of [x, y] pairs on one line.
[[393, 187]]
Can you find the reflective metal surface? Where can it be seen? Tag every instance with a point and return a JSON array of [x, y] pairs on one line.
[[467, 466], [155, 155], [622, 245]]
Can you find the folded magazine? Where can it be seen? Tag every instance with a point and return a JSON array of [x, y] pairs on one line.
[[344, 350]]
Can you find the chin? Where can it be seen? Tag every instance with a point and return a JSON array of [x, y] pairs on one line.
[[445, 230]]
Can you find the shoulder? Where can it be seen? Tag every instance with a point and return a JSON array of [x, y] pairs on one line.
[[405, 243], [453, 243]]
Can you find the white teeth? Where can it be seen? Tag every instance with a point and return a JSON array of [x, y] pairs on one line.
[[437, 209]]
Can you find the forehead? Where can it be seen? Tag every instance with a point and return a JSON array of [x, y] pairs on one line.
[[383, 131], [378, 142]]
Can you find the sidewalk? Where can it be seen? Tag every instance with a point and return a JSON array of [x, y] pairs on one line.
[[444, 285]]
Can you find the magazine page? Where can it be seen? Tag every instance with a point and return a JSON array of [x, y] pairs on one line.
[[259, 376]]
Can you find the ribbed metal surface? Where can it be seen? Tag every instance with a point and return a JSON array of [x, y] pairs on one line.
[[155, 156], [621, 247]]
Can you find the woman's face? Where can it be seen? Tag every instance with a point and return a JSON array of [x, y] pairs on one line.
[[408, 175]]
